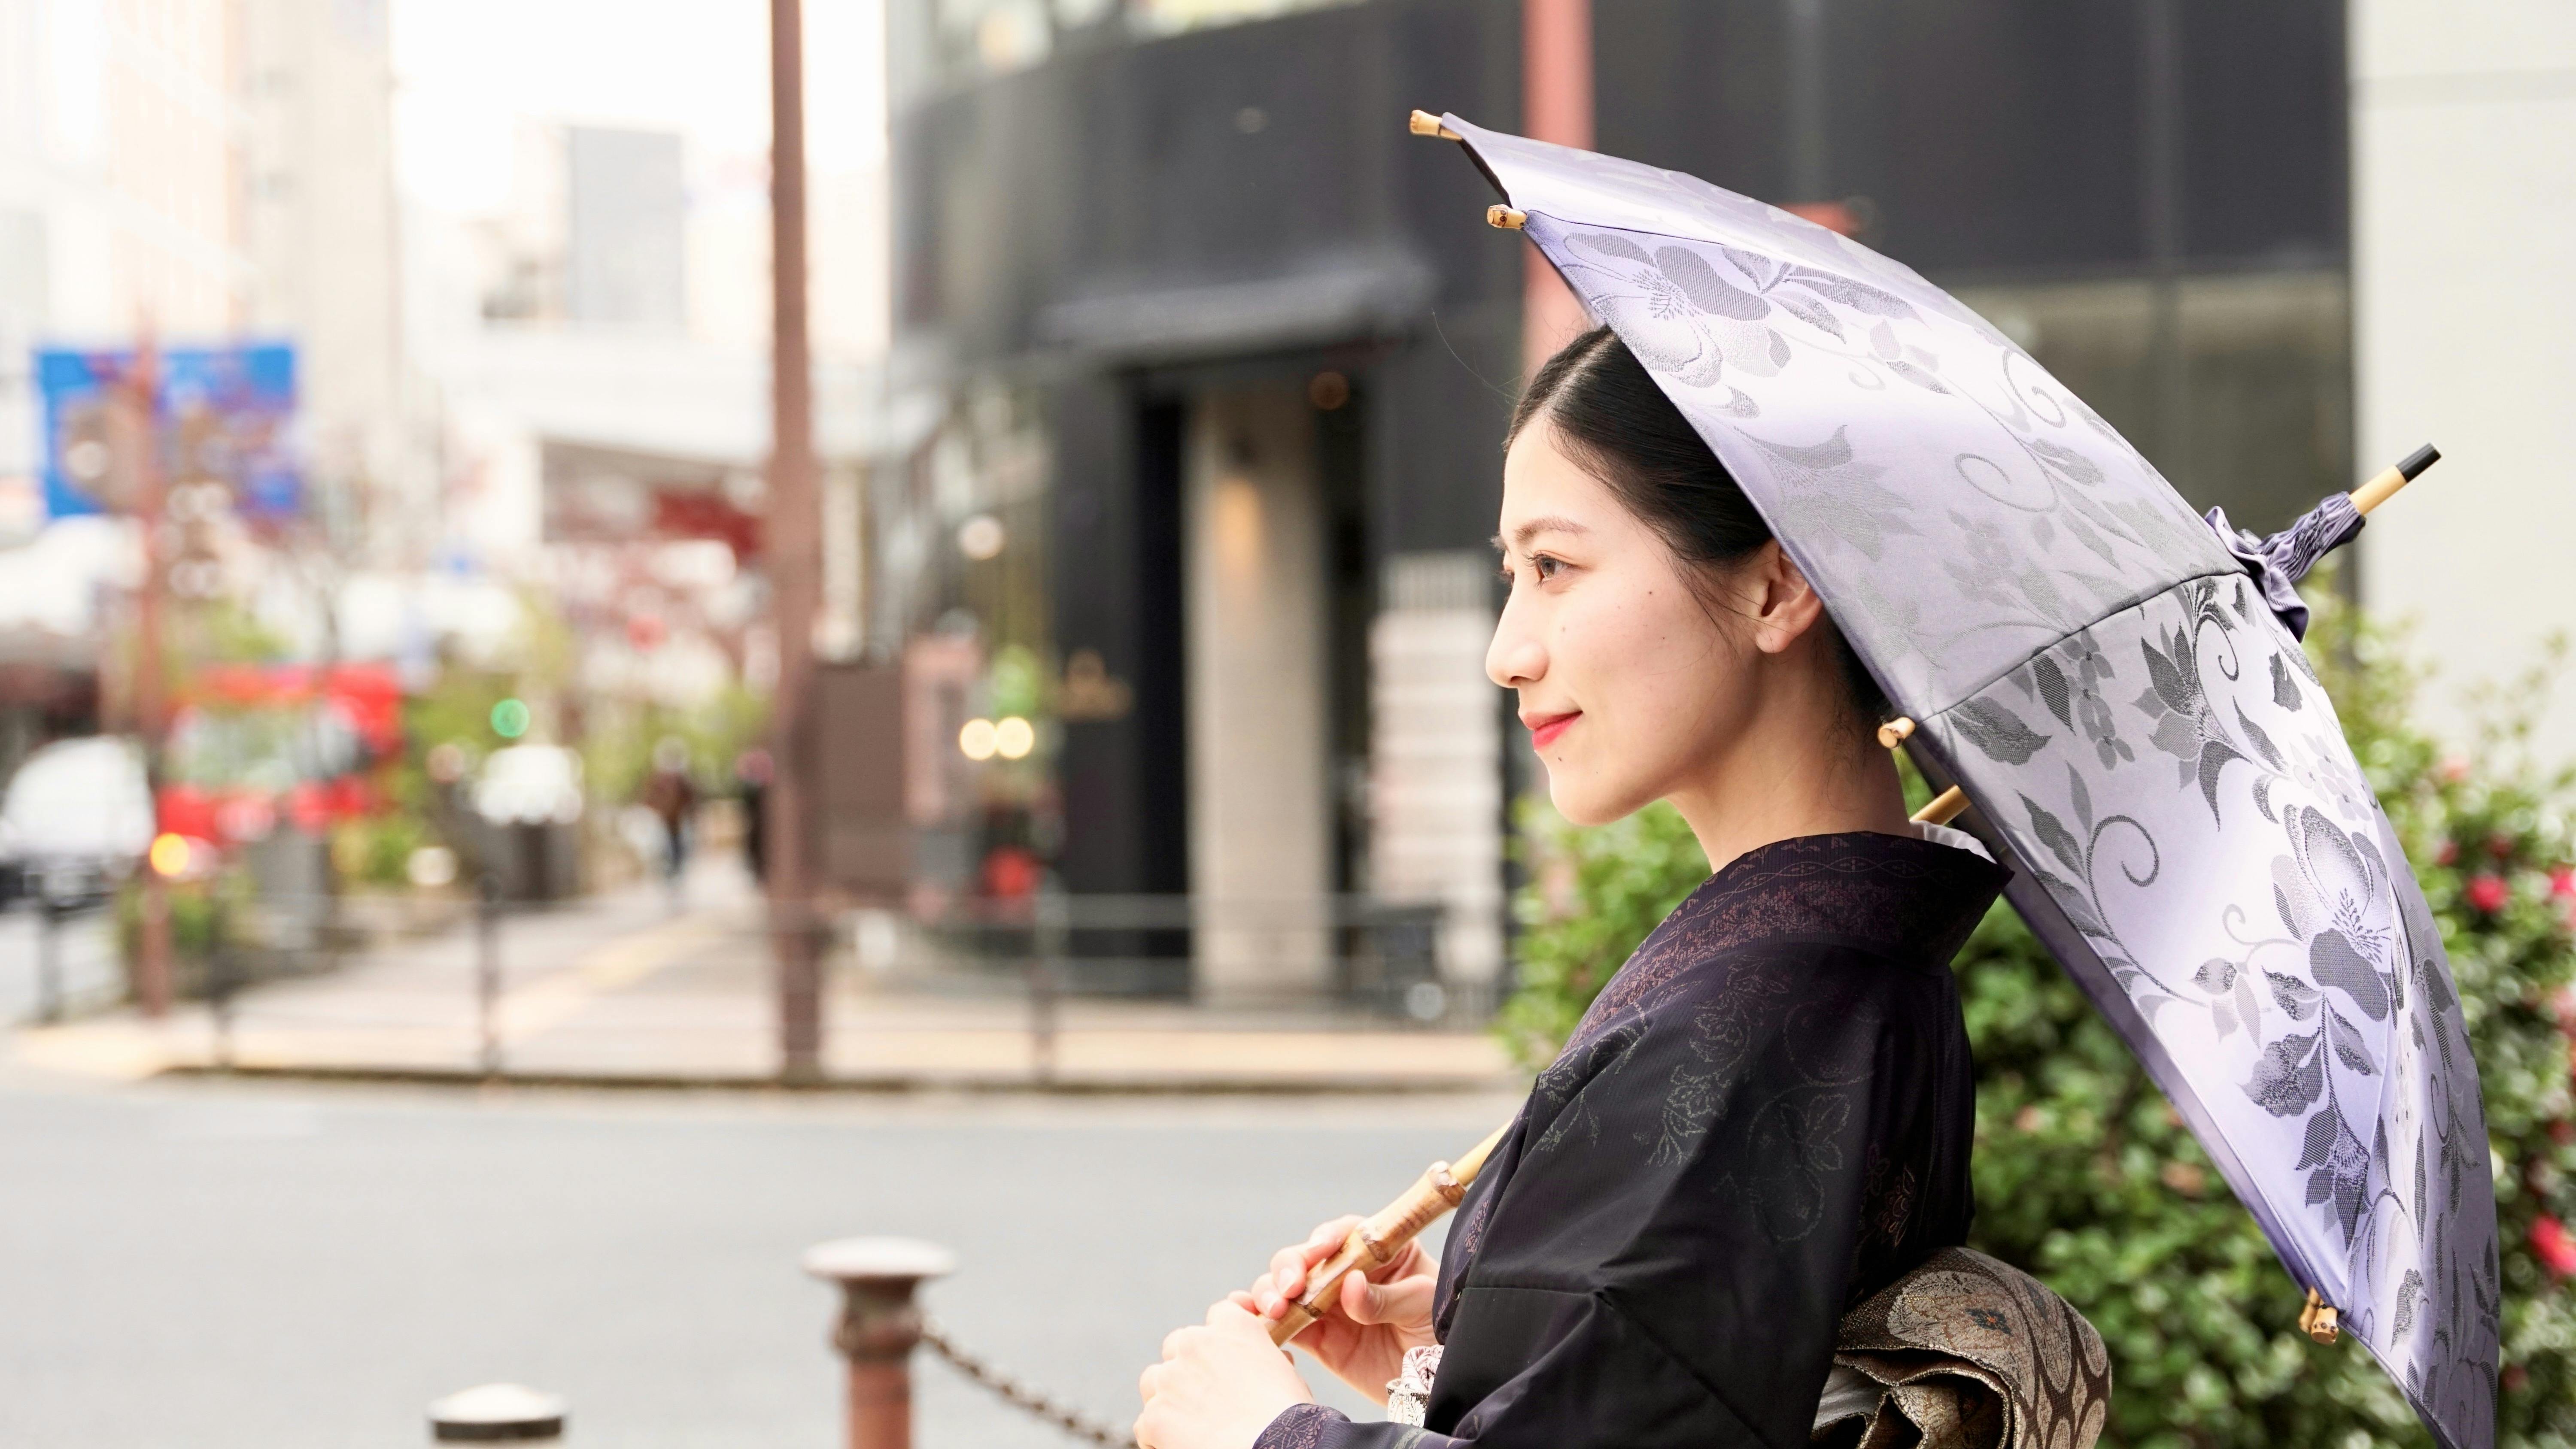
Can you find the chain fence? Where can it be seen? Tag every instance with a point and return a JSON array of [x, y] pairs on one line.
[[1009, 1390]]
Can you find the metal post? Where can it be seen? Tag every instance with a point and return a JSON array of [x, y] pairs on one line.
[[1556, 105], [134, 429], [487, 969], [219, 985], [878, 1327], [1046, 964], [792, 545], [2160, 53], [1808, 169], [49, 959], [493, 1413]]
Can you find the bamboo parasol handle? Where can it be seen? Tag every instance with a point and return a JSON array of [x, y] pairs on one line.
[[1382, 1235], [2387, 481]]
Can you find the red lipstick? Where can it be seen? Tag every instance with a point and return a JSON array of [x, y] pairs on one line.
[[1545, 729]]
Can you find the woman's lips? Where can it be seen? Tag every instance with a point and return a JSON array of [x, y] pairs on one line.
[[1545, 729]]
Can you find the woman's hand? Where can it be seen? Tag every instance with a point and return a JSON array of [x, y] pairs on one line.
[[1218, 1386], [1378, 1316]]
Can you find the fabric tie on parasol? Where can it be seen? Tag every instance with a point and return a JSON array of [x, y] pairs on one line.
[[2129, 714], [2279, 562]]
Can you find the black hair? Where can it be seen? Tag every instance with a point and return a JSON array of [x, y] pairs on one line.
[[1611, 415]]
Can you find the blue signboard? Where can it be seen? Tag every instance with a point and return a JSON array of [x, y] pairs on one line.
[[220, 414]]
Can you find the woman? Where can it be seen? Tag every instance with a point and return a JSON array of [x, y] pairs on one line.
[[1765, 1117]]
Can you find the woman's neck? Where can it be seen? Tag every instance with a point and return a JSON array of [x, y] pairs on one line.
[[1798, 772]]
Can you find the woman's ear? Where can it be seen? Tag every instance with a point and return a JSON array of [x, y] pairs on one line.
[[1786, 606]]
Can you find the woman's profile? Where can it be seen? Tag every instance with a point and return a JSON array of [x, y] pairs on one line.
[[1766, 1115]]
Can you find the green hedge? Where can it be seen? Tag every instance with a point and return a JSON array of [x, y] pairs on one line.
[[2087, 1178]]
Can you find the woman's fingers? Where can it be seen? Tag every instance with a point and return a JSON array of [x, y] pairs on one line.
[[1398, 1301], [1327, 1239], [1289, 1266], [1178, 1338]]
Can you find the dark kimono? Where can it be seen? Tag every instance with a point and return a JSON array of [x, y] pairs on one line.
[[1764, 1119]]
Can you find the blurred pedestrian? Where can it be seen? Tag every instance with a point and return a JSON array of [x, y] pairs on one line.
[[673, 798], [751, 783]]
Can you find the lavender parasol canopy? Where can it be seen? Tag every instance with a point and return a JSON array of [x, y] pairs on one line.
[[2122, 704]]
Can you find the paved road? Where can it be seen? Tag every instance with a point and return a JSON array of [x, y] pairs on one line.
[[209, 1264], [88, 963]]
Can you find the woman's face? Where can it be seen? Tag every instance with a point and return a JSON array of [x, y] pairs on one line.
[[1628, 680]]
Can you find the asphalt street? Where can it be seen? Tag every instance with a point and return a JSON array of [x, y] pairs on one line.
[[211, 1264]]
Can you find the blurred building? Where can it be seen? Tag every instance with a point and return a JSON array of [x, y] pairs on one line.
[[626, 259], [1202, 364], [211, 170], [2464, 169]]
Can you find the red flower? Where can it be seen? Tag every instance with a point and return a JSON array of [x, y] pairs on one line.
[[2556, 1250], [2500, 846], [2486, 892], [2448, 854], [2562, 881]]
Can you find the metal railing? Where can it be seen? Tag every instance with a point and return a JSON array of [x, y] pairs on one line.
[[681, 986]]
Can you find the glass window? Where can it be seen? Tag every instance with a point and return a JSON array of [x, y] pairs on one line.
[[2239, 390]]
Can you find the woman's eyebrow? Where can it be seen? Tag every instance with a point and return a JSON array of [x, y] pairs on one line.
[[1536, 526]]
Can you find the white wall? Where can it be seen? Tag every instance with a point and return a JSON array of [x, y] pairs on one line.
[[2464, 295], [1435, 753]]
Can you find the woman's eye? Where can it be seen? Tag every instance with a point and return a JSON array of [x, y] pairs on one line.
[[1544, 566]]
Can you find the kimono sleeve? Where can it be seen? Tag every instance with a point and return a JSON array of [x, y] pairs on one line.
[[1602, 1380]]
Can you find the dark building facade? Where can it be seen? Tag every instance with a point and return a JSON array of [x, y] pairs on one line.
[[1226, 353]]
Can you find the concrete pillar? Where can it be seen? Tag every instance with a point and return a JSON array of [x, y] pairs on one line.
[[1259, 741]]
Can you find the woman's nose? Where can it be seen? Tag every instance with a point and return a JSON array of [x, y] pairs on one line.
[[1515, 658]]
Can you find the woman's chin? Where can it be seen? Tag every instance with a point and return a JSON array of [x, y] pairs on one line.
[[1584, 802]]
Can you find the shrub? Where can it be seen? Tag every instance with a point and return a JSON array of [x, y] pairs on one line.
[[2087, 1178]]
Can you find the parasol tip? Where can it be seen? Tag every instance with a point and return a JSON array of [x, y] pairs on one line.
[[1423, 123], [1895, 732], [1506, 218], [2385, 484], [2318, 1319]]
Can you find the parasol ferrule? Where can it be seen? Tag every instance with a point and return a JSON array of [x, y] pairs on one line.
[[2384, 484], [2318, 1319], [1423, 123], [1506, 218]]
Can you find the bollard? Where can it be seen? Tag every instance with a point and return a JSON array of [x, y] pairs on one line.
[[878, 1327], [49, 956], [487, 969], [496, 1413]]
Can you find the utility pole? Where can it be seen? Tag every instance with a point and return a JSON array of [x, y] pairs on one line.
[[791, 540], [135, 453], [1556, 105]]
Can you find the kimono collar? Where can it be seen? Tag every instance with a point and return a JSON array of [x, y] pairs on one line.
[[1905, 895]]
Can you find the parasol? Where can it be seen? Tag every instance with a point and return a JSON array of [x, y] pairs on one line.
[[2118, 688]]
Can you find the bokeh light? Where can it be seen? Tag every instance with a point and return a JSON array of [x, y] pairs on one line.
[[170, 854], [1014, 737]]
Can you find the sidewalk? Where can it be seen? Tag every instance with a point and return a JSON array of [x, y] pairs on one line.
[[624, 990]]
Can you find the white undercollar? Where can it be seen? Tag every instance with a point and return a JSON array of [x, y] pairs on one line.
[[1955, 839]]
